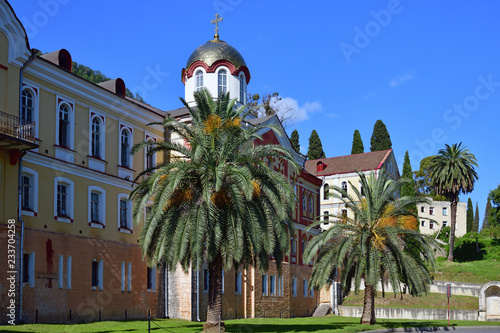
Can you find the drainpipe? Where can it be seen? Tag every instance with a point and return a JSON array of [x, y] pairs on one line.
[[198, 295], [19, 184]]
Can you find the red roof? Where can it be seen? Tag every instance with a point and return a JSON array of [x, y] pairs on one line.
[[349, 163]]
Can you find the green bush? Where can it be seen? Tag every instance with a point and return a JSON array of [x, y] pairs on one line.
[[444, 234]]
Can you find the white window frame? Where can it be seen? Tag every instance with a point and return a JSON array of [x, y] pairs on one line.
[[445, 211], [198, 79], [344, 188], [431, 225], [34, 91], [149, 138], [130, 131], [129, 229], [70, 199], [422, 223], [431, 210], [33, 175], [102, 135], [71, 122], [243, 93], [102, 207], [445, 224], [221, 87]]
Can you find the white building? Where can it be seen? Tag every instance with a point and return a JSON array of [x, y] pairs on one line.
[[437, 215]]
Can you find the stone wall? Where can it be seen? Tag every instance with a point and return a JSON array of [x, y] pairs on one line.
[[423, 314]]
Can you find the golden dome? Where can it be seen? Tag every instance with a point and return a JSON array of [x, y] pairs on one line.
[[215, 50]]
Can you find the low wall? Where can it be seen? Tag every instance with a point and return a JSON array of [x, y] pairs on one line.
[[395, 313], [457, 288]]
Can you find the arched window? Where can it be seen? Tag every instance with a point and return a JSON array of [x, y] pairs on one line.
[[222, 81], [326, 191], [294, 245], [344, 189], [310, 204], [304, 245], [319, 167], [150, 159], [242, 88], [304, 202], [27, 110], [96, 137], [63, 126], [125, 148], [199, 80]]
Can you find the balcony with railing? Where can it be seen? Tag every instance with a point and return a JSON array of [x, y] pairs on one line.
[[15, 134]]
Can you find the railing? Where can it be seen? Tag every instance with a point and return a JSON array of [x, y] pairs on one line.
[[15, 127]]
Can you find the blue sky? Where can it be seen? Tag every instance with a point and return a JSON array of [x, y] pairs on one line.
[[429, 70]]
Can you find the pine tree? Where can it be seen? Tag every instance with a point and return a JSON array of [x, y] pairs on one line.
[[475, 227], [315, 150], [381, 140], [294, 139], [470, 215], [357, 144], [408, 190], [486, 215]]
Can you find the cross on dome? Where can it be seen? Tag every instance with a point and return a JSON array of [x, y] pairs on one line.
[[216, 21]]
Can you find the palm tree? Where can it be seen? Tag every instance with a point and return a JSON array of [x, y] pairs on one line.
[[452, 173], [379, 240], [215, 200]]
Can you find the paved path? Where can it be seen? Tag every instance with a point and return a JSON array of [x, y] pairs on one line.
[[459, 329]]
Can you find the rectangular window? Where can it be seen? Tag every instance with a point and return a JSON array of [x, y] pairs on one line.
[[422, 223], [264, 284], [311, 293], [27, 193], [445, 211], [445, 223], [205, 280], [60, 272], [62, 200], [237, 283], [123, 276], [304, 286], [326, 218], [94, 207], [422, 209], [282, 286], [123, 214], [431, 210], [129, 277], [95, 276], [294, 286], [68, 272], [222, 273], [273, 285], [149, 279], [26, 268], [431, 224]]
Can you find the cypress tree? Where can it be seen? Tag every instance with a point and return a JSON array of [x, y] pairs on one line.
[[315, 150], [486, 215], [357, 144], [294, 139], [475, 227], [470, 215], [408, 190], [381, 140]]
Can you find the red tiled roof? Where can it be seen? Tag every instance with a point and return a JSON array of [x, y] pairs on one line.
[[348, 163]]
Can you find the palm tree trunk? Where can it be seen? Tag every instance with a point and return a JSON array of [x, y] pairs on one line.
[[214, 312], [453, 202], [368, 317]]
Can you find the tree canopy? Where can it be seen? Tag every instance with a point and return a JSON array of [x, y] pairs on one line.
[[408, 188], [294, 140], [315, 150], [357, 144], [216, 199], [475, 226], [494, 213], [453, 172], [380, 140], [423, 181], [377, 239], [272, 104], [470, 215]]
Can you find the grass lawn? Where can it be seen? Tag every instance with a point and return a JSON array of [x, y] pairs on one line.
[[317, 324], [430, 301], [480, 271]]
